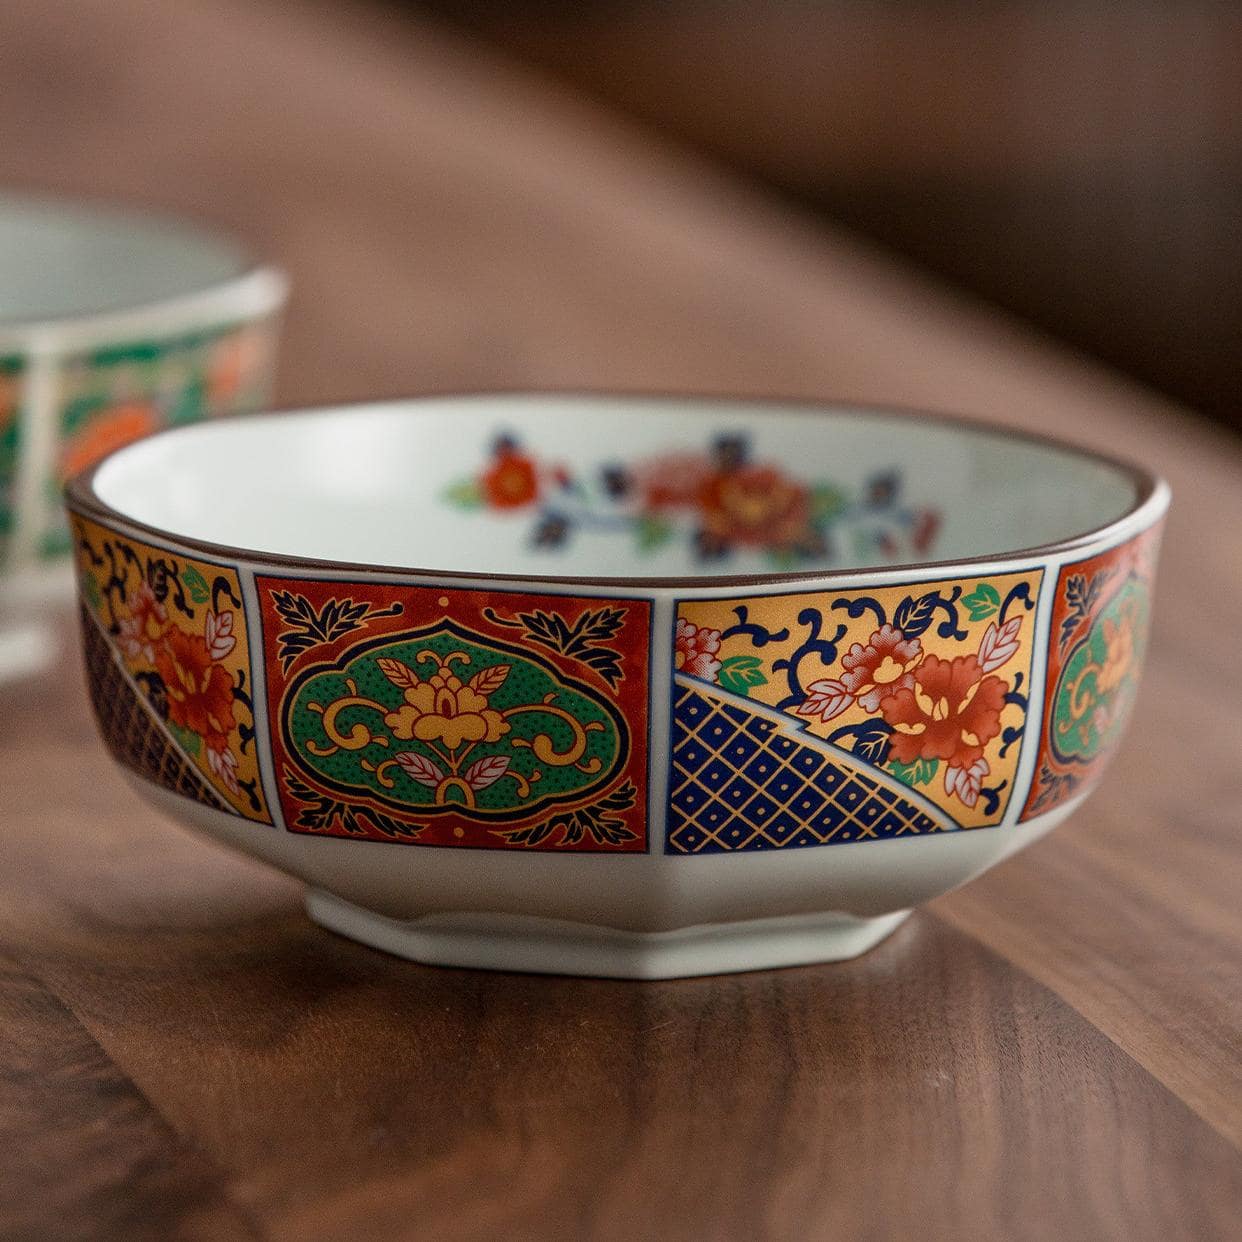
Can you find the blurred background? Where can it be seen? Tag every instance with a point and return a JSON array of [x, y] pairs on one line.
[[1075, 162]]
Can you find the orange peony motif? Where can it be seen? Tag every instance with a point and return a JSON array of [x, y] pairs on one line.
[[926, 528], [200, 691], [143, 628], [673, 482], [512, 480], [235, 361], [8, 399], [757, 507], [696, 649], [951, 712], [881, 668], [109, 429], [446, 710]]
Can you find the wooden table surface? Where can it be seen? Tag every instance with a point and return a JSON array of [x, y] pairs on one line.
[[1052, 1052]]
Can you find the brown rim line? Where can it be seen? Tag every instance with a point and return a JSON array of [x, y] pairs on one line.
[[1151, 493]]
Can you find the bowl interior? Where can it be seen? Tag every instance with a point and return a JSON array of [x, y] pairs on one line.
[[64, 260], [612, 487]]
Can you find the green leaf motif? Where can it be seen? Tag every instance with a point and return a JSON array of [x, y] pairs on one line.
[[196, 584], [80, 411], [653, 532], [188, 741], [190, 403], [982, 602], [738, 673], [904, 772], [920, 772], [465, 495], [860, 539], [90, 588], [827, 502]]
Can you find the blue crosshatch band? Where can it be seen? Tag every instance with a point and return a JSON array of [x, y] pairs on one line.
[[740, 782]]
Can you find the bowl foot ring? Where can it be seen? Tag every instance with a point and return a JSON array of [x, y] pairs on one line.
[[552, 946]]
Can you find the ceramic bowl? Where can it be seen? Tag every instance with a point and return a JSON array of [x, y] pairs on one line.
[[112, 325], [609, 685]]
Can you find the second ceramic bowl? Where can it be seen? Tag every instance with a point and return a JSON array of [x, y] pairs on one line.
[[610, 685], [113, 325]]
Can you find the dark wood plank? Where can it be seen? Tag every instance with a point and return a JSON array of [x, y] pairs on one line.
[[1131, 912], [929, 1087], [84, 1154]]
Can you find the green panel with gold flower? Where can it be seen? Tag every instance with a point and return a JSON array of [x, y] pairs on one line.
[[440, 716]]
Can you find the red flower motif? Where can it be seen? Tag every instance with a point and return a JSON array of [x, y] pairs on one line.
[[695, 650], [673, 481], [881, 668], [235, 361], [952, 712], [926, 528], [511, 482], [757, 507], [200, 692], [107, 430], [140, 631]]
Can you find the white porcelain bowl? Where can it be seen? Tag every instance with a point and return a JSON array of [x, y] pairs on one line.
[[613, 685], [112, 325]]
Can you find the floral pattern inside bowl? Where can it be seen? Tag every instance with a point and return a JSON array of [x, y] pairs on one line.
[[626, 487]]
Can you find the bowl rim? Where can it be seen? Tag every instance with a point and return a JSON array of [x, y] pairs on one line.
[[1151, 493], [255, 289]]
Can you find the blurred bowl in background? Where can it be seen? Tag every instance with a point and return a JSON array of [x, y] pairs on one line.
[[678, 685], [113, 324]]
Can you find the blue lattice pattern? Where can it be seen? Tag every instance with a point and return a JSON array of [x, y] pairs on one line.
[[740, 782]]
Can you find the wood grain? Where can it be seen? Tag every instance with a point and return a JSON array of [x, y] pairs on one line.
[[1052, 1051], [85, 1155]]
